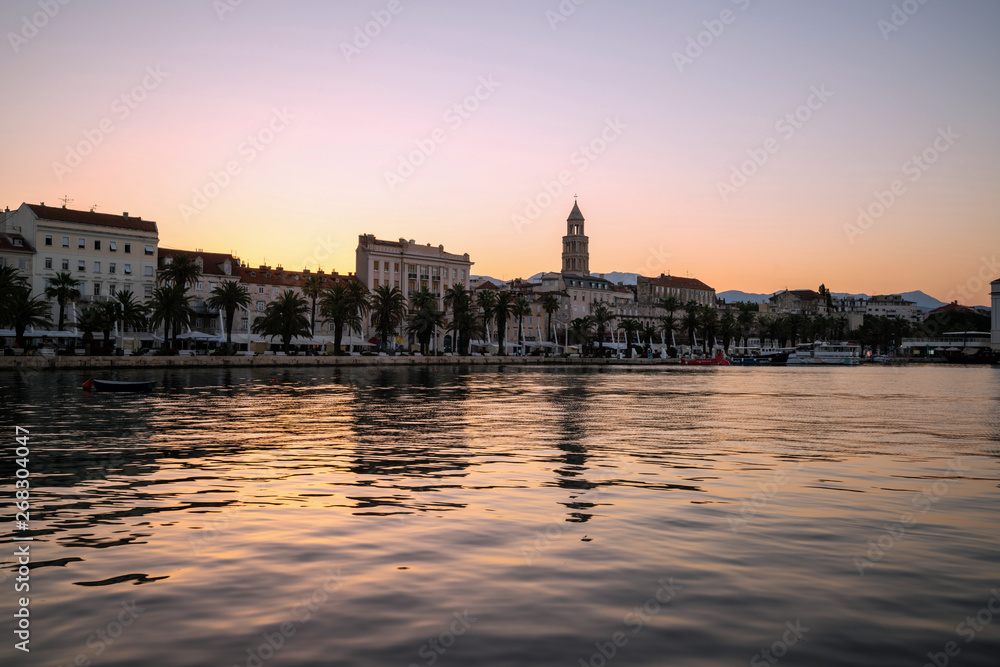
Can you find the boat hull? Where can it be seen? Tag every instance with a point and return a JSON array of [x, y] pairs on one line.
[[110, 385]]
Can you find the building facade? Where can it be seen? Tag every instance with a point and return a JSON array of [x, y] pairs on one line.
[[410, 267], [801, 302], [655, 290], [995, 314], [104, 252], [893, 305]]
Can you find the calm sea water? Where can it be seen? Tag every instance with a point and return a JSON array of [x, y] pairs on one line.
[[841, 516]]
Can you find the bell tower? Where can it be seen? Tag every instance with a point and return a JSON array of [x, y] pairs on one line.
[[576, 250]]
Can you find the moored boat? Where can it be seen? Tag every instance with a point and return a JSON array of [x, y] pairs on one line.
[[114, 385], [821, 353], [717, 360]]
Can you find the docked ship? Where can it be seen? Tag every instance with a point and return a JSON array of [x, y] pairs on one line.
[[828, 354]]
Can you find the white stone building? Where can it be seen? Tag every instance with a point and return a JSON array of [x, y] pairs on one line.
[[410, 267]]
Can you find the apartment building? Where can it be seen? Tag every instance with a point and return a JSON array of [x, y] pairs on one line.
[[410, 266]]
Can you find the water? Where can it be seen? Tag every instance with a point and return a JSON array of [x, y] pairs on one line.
[[838, 516]]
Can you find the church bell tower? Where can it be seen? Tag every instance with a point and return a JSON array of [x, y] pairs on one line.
[[576, 251]]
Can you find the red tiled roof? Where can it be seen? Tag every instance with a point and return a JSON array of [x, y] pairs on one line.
[[90, 218], [7, 243], [211, 261], [678, 282], [952, 307], [803, 294], [486, 285]]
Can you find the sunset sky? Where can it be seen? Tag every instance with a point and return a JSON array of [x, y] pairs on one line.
[[328, 133]]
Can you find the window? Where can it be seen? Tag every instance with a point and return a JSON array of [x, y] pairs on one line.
[[395, 267], [148, 249], [198, 286], [111, 289], [246, 323], [260, 289], [81, 265], [48, 239], [112, 267], [97, 267], [97, 244], [65, 241], [22, 264], [128, 247], [48, 262], [274, 291], [97, 289], [65, 265], [260, 306], [148, 272], [147, 291], [212, 286], [113, 246], [127, 269], [81, 242], [376, 264]]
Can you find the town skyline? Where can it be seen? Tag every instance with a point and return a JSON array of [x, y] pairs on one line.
[[739, 143]]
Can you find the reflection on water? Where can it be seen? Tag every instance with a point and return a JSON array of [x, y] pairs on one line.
[[454, 516]]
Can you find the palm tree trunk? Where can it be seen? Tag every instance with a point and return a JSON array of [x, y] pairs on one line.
[[338, 336]]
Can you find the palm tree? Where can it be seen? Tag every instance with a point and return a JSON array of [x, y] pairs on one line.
[[728, 326], [487, 301], [64, 289], [745, 320], [424, 320], [668, 324], [170, 306], [180, 271], [357, 296], [520, 310], [388, 310], [228, 296], [502, 311], [313, 288], [629, 326], [10, 281], [602, 315], [459, 300], [285, 317], [24, 311], [550, 304], [647, 333], [581, 328], [671, 304], [465, 326], [690, 322], [709, 319], [91, 318], [337, 307]]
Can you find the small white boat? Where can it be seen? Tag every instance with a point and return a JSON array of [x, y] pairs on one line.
[[824, 353]]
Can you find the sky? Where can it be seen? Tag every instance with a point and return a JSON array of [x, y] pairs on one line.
[[756, 145]]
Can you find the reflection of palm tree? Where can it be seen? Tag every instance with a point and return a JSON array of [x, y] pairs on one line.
[[228, 296], [24, 311], [388, 311], [63, 288], [285, 317]]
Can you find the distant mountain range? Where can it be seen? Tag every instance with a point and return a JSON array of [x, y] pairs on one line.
[[923, 300]]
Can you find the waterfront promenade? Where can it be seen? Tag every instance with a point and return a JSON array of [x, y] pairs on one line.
[[40, 362]]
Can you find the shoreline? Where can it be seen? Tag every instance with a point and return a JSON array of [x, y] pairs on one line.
[[39, 363]]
